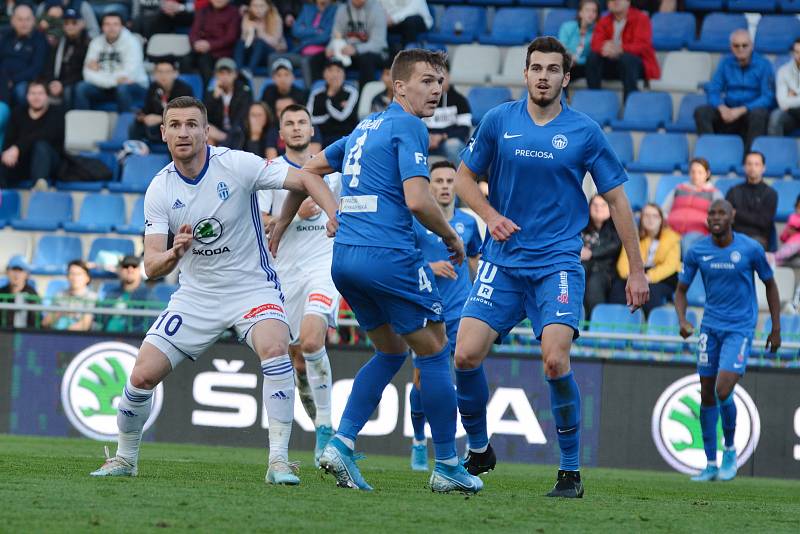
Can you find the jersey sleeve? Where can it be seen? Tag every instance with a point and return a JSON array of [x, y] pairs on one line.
[[265, 198], [602, 162], [156, 218], [473, 247], [335, 154], [479, 153], [760, 263], [410, 136], [264, 174], [689, 268]]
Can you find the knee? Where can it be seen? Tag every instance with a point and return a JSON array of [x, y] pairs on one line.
[[707, 396], [310, 345], [272, 348], [555, 366], [466, 359], [140, 379], [723, 391]]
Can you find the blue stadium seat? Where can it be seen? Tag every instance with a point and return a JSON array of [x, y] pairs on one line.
[[542, 3], [53, 252], [555, 18], [704, 5], [780, 153], [716, 31], [622, 143], [600, 104], [645, 110], [787, 190], [776, 33], [685, 120], [138, 172], [109, 159], [108, 245], [790, 332], [47, 211], [616, 318], [666, 184], [696, 295], [724, 184], [663, 321], [119, 135], [195, 82], [673, 31], [470, 19], [780, 61], [136, 225], [687, 240], [162, 292], [99, 214], [512, 26], [54, 287], [485, 3], [661, 153], [9, 206], [723, 152], [789, 6], [753, 6], [482, 99], [636, 188]]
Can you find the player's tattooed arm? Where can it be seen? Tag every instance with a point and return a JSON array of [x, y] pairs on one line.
[[774, 303], [467, 189], [160, 261], [681, 303], [421, 203]]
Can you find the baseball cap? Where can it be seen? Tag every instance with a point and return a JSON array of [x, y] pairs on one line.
[[130, 261], [225, 63], [281, 63], [18, 262], [71, 14]]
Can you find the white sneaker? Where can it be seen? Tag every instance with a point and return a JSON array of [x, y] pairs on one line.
[[282, 472], [116, 466]]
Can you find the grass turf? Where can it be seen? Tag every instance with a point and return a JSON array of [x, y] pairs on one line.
[[45, 487]]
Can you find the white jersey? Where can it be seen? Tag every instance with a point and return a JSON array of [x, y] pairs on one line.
[[305, 246], [221, 206]]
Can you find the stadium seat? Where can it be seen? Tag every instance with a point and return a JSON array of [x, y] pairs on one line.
[[672, 31], [622, 143], [53, 252], [168, 44], [9, 206], [663, 321], [541, 3], [616, 318], [716, 30], [787, 190], [136, 224], [162, 292], [780, 153], [512, 26], [696, 295], [704, 5], [99, 214], [482, 99], [474, 64], [14, 243], [661, 152], [646, 111], [83, 129], [753, 6], [776, 33], [119, 134], [138, 172], [784, 279], [459, 25], [47, 211], [685, 120], [687, 240], [482, 3], [600, 104], [724, 184], [194, 81], [789, 6], [683, 72], [368, 93], [54, 287], [555, 18], [790, 332], [666, 184], [512, 69], [106, 252], [636, 188], [723, 152]]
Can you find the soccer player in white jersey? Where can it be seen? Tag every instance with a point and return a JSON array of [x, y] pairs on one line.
[[207, 198], [304, 267]]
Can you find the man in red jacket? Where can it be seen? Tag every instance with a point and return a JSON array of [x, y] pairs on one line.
[[622, 48], [215, 31]]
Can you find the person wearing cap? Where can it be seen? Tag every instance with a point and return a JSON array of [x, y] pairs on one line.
[[227, 102], [164, 87], [214, 33], [283, 85], [65, 64], [333, 106], [23, 50], [128, 292], [361, 24], [77, 295], [18, 290], [113, 69]]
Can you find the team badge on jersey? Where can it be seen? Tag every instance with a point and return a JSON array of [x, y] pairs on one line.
[[560, 141], [736, 256], [207, 230], [222, 190]]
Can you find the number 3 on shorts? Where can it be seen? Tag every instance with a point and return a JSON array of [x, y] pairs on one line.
[[424, 281], [172, 325]]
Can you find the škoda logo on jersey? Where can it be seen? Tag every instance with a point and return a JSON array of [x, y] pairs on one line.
[[272, 309], [207, 230]]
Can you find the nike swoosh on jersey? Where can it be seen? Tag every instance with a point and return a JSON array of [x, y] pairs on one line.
[[562, 314], [507, 135], [706, 258]]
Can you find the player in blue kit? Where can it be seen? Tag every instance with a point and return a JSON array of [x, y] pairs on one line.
[[380, 272], [726, 261], [454, 283], [536, 151]]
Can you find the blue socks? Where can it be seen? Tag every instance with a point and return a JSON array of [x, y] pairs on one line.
[[439, 401], [368, 388], [417, 413], [727, 410], [565, 403], [473, 395], [708, 424]]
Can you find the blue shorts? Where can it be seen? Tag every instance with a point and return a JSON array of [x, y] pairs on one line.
[[721, 350], [503, 296], [386, 286]]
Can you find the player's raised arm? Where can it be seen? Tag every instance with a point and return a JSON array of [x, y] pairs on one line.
[[421, 203]]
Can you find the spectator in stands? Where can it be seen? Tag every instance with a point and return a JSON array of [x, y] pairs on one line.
[[382, 100], [23, 51], [256, 129], [790, 237], [755, 202], [407, 19], [576, 36], [333, 106], [601, 248], [261, 35], [622, 48], [312, 30], [19, 291], [359, 38], [786, 119], [65, 66], [103, 7], [172, 15], [34, 139], [661, 252], [77, 296], [687, 205], [113, 69], [214, 33], [50, 21], [283, 85], [289, 10], [144, 14], [127, 293], [165, 87], [228, 102], [84, 10], [740, 94], [450, 125]]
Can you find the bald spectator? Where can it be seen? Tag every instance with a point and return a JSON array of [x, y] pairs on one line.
[[214, 33], [23, 51], [740, 94], [755, 202]]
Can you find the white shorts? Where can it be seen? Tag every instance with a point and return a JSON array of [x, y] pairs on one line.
[[193, 320], [311, 294]]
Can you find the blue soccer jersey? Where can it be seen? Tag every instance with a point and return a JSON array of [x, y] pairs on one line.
[[727, 273], [535, 179], [453, 292], [393, 145]]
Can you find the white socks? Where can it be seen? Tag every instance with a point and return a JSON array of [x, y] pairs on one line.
[[278, 396], [318, 370], [132, 413]]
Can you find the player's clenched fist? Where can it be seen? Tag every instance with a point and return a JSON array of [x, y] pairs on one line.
[[456, 248], [637, 291], [183, 240], [686, 329], [501, 228], [332, 226]]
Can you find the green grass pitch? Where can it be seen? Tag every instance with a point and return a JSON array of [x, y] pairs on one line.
[[45, 487]]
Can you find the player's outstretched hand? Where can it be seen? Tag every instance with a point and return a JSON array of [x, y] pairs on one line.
[[332, 227], [456, 248], [686, 329], [444, 269], [501, 227], [182, 241], [637, 291], [773, 341]]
